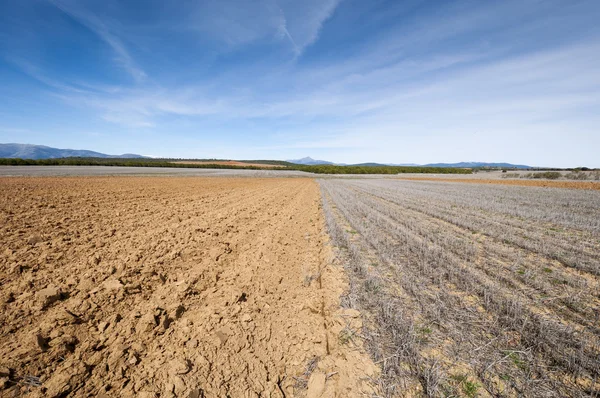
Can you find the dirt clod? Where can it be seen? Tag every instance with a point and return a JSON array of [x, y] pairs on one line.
[[34, 239], [316, 385], [42, 342], [112, 284], [48, 296], [146, 323], [196, 393], [102, 326], [179, 366]]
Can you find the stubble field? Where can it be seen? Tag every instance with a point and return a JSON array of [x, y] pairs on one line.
[[187, 287], [473, 290]]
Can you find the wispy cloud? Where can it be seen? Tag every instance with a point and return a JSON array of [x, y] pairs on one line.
[[283, 32], [488, 89], [64, 88], [235, 23], [302, 24], [36, 73], [240, 23], [103, 31]]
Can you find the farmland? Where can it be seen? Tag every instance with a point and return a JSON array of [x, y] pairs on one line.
[[471, 289], [206, 283], [228, 163], [523, 183], [167, 286]]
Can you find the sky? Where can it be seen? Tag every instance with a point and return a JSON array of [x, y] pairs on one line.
[[413, 81]]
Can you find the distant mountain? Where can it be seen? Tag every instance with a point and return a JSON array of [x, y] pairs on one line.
[[479, 164], [308, 161], [311, 161], [27, 151]]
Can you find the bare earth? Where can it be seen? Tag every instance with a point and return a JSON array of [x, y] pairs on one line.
[[187, 287]]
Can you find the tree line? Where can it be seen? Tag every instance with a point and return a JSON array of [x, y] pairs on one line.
[[145, 162]]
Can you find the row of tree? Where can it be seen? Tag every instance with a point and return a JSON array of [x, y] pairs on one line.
[[332, 169], [124, 162], [146, 162]]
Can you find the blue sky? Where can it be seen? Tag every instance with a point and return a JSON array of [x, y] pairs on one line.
[[348, 81]]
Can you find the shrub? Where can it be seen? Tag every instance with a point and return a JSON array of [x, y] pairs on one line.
[[548, 175]]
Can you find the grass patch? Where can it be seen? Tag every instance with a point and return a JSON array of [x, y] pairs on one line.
[[468, 387]]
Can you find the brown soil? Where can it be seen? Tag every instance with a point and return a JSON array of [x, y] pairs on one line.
[[230, 163], [524, 183], [187, 287]]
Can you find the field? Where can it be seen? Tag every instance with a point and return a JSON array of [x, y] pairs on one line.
[[55, 171], [230, 163], [215, 283], [472, 289], [187, 287], [523, 183]]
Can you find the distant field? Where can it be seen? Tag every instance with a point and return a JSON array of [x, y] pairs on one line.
[[229, 163], [40, 171], [472, 290], [594, 185]]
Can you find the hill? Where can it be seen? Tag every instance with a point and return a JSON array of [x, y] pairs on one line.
[[308, 161], [474, 165], [28, 151]]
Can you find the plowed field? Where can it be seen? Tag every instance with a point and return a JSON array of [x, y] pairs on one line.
[[193, 287]]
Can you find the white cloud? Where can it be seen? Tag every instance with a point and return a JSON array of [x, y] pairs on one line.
[[103, 31], [304, 20], [236, 23], [239, 23], [463, 97]]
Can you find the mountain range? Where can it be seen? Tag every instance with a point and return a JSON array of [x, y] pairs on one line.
[[310, 161], [28, 151], [480, 164]]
